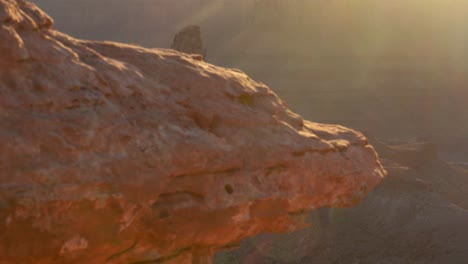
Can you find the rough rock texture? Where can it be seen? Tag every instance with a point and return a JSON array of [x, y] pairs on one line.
[[189, 40], [112, 153], [418, 214]]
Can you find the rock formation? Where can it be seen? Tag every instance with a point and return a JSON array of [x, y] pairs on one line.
[[112, 153], [189, 40]]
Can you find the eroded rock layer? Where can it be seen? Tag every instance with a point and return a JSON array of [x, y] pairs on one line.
[[112, 153]]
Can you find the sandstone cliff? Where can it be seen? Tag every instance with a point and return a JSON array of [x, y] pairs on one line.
[[112, 153]]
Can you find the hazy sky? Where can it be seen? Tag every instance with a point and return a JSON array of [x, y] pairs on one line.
[[402, 27]]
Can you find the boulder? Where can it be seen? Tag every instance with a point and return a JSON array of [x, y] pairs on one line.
[[114, 153]]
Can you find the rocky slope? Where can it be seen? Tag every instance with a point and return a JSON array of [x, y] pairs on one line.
[[113, 153]]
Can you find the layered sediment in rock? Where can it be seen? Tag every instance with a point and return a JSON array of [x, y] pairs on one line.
[[112, 153]]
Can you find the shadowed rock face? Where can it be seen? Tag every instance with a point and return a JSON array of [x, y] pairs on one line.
[[114, 153], [189, 40]]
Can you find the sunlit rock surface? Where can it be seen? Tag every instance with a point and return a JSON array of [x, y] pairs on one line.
[[112, 153]]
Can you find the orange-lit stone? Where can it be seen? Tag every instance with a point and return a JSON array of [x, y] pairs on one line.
[[112, 153]]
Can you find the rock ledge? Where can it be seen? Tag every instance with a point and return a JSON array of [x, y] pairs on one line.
[[113, 153]]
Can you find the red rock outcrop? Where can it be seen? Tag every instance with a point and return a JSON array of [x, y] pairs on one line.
[[112, 153]]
